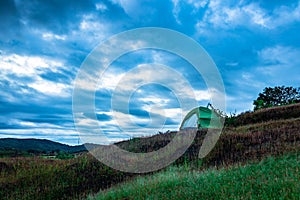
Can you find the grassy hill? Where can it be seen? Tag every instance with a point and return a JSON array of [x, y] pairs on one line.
[[272, 178], [253, 135], [264, 115], [243, 142]]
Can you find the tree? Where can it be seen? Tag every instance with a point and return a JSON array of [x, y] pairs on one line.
[[277, 96]]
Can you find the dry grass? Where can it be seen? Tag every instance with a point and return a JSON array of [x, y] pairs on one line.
[[258, 135], [267, 114]]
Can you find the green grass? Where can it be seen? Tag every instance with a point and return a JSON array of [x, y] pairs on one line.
[[272, 178]]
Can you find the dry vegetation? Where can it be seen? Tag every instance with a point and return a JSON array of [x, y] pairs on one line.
[[267, 114], [252, 136], [39, 178]]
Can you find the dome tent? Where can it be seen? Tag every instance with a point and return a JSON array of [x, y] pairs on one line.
[[202, 117]]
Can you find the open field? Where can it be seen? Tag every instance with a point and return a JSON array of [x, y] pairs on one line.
[[272, 178], [39, 178], [44, 178]]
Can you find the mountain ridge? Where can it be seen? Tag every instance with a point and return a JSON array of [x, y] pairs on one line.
[[38, 145]]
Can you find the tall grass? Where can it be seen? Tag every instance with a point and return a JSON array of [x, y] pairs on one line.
[[272, 178], [264, 115], [39, 178], [43, 178]]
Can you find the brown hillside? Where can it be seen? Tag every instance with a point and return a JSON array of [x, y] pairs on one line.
[[267, 114], [271, 131]]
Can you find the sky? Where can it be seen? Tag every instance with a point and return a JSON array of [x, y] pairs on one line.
[[254, 44]]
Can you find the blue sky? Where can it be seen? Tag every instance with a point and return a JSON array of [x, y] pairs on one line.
[[254, 44]]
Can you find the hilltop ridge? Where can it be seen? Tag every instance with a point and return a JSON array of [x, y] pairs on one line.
[[17, 147]]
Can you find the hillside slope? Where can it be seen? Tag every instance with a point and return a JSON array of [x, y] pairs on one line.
[[272, 178], [254, 137], [272, 131], [264, 115], [41, 178]]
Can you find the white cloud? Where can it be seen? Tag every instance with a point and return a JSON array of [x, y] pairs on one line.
[[88, 123], [110, 80], [101, 7], [202, 95], [250, 80], [89, 24], [131, 81], [157, 106], [175, 114], [132, 8], [91, 31], [176, 10], [51, 36], [155, 100], [20, 65], [26, 124], [284, 15], [33, 67], [221, 15], [120, 124], [279, 62], [277, 65], [51, 88], [282, 55], [232, 64], [162, 57], [196, 4], [256, 15]]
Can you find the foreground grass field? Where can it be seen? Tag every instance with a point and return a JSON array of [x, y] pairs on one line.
[[40, 178], [272, 178]]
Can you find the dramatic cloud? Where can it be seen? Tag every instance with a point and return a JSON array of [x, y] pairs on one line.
[[254, 44]]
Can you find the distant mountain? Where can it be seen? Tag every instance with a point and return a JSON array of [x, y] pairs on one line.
[[39, 145]]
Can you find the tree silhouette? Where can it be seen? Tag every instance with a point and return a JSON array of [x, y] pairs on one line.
[[277, 96]]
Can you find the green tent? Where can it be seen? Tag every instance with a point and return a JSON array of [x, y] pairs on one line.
[[202, 117]]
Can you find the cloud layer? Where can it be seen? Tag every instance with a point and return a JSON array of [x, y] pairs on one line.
[[254, 44]]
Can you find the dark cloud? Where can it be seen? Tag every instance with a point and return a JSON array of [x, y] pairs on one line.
[[234, 48], [48, 118], [54, 15], [5, 125], [170, 121], [55, 76], [8, 9], [138, 112], [9, 18], [103, 117], [19, 111], [102, 100]]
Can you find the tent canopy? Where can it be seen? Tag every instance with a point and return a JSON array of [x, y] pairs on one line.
[[201, 117]]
